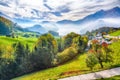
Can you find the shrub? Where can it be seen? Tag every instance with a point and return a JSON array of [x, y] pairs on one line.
[[66, 55]]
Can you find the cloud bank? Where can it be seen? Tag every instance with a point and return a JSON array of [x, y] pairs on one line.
[[88, 26], [53, 10]]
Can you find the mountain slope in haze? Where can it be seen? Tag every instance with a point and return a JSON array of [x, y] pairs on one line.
[[105, 29], [112, 13], [37, 28], [108, 22], [94, 21], [5, 26], [54, 33]]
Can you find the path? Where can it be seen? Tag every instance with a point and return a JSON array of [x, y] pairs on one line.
[[101, 74]]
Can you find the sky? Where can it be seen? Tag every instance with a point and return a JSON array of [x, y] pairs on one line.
[[30, 12], [54, 10]]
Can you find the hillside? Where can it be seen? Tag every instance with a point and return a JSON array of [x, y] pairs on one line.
[[53, 33], [37, 28], [97, 15], [7, 41], [7, 22], [106, 30], [73, 67], [116, 33], [5, 26]]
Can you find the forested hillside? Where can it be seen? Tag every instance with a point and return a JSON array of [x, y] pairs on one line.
[[5, 26]]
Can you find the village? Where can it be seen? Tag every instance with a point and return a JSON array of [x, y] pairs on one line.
[[101, 39]]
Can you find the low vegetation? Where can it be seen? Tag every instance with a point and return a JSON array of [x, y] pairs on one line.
[[42, 54], [74, 67], [19, 56]]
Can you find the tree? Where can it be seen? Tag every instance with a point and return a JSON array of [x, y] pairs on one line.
[[19, 52], [68, 39], [102, 52], [80, 43], [7, 63], [46, 48], [100, 56], [91, 61], [60, 44], [26, 65], [108, 52]]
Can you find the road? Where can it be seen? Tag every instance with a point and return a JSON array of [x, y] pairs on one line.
[[96, 75]]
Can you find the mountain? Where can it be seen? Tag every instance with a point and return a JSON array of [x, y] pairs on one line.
[[37, 28], [105, 29], [115, 12], [105, 22], [5, 26], [53, 33]]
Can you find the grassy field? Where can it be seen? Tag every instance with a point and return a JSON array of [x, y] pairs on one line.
[[9, 41], [116, 33]]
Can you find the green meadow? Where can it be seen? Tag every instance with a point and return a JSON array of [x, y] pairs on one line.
[[116, 33], [8, 41]]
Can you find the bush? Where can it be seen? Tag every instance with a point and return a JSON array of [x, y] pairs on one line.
[[66, 55]]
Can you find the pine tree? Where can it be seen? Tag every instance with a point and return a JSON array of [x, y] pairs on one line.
[[19, 52]]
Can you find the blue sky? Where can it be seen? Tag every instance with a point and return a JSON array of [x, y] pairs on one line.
[[30, 12]]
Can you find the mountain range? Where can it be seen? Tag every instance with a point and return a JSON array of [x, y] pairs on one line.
[[102, 18], [7, 27], [112, 13], [37, 28]]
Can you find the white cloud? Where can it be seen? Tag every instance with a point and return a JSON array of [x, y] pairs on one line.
[[65, 29], [82, 8], [77, 9], [105, 22], [88, 26]]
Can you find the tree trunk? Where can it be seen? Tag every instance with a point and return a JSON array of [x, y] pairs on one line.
[[101, 64]]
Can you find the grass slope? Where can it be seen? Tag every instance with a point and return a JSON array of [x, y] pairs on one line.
[[57, 72], [116, 33], [74, 67], [9, 41]]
